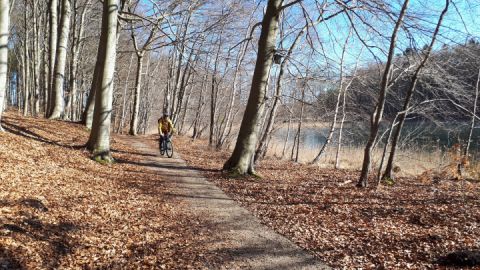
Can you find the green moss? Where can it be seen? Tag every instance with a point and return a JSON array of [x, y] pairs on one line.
[[256, 175], [236, 173], [389, 181], [103, 157]]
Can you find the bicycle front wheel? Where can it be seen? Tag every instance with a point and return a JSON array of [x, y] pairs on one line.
[[169, 149], [162, 148]]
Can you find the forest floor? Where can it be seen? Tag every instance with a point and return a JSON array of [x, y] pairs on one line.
[[61, 210], [416, 223]]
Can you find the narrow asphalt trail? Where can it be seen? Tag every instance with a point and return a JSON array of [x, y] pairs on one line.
[[248, 243]]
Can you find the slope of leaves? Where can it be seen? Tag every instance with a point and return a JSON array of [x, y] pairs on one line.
[[409, 225], [60, 209]]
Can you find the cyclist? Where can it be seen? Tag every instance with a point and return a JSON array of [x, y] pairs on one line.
[[165, 127]]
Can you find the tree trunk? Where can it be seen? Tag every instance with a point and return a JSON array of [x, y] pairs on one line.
[[58, 103], [337, 106], [46, 75], [241, 161], [214, 96], [87, 117], [168, 88], [53, 50], [99, 141], [4, 34], [196, 122], [21, 90], [76, 45], [340, 130], [36, 61], [300, 122], [472, 126], [136, 97], [213, 109], [26, 84], [376, 117], [124, 98], [176, 90], [185, 109], [287, 137]]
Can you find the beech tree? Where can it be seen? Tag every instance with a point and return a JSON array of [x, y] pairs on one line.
[[58, 103], [99, 141], [4, 34], [78, 29], [53, 36], [410, 91], [376, 116], [241, 160], [140, 50]]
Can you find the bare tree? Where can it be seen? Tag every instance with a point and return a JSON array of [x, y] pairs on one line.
[[99, 141], [58, 103], [376, 117], [4, 34], [140, 52], [410, 91], [53, 31], [77, 42], [241, 161]]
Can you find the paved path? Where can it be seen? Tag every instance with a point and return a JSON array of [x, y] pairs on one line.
[[249, 244]]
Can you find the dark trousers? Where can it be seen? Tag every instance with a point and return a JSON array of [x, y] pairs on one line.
[[164, 137]]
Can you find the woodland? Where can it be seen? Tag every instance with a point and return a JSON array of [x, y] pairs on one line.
[[350, 127]]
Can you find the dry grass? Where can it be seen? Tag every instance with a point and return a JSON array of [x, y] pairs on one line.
[[410, 162]]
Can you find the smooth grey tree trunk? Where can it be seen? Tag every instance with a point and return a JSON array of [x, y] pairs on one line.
[[53, 23], [46, 74], [196, 121], [214, 96], [87, 117], [241, 161], [183, 30], [74, 62], [36, 61], [26, 58], [136, 96], [58, 103], [300, 123], [185, 110], [99, 141], [140, 52], [376, 117], [4, 34], [287, 137], [124, 98], [340, 130]]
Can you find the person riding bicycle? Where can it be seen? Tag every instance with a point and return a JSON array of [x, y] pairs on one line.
[[165, 127]]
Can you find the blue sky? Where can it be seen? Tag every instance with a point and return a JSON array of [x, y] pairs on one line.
[[460, 24]]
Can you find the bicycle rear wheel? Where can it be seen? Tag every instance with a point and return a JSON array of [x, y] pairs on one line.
[[169, 149]]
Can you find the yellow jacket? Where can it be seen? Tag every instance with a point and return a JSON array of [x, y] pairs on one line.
[[165, 126]]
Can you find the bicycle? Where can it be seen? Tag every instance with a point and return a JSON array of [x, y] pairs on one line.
[[166, 146]]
